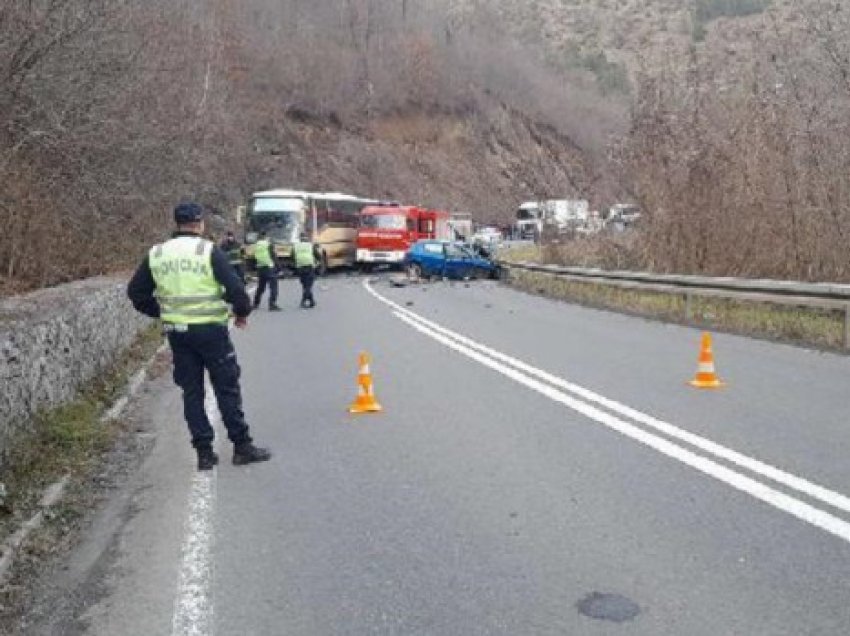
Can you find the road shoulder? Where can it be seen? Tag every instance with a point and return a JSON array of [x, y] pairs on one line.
[[137, 503]]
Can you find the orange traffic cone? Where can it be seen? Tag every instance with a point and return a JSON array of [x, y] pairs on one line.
[[706, 377], [365, 402]]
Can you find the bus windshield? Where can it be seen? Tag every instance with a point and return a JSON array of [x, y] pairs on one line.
[[278, 225], [384, 221], [279, 217], [277, 204]]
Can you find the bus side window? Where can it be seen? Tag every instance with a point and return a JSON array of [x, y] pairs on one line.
[[426, 226], [322, 214], [411, 225], [351, 213]]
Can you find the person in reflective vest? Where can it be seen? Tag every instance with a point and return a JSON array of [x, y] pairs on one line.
[[306, 255], [233, 249], [188, 283], [266, 272]]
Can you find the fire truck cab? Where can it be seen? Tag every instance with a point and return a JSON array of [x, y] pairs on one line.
[[387, 231]]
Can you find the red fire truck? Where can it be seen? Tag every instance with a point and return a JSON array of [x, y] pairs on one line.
[[387, 231]]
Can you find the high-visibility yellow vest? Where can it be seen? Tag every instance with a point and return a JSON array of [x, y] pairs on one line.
[[261, 253], [304, 256], [186, 288]]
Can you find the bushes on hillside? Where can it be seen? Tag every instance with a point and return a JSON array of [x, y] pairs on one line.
[[101, 114], [742, 168]]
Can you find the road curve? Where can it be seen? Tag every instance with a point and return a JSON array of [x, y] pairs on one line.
[[539, 468]]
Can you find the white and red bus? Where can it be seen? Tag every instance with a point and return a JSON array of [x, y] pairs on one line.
[[387, 231], [330, 219]]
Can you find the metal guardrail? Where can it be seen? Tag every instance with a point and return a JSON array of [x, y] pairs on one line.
[[777, 287], [832, 296]]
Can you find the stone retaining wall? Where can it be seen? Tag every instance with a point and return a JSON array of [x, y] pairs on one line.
[[54, 340]]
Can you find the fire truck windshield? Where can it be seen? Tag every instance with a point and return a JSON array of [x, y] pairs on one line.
[[383, 221]]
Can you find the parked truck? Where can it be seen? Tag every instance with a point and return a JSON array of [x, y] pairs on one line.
[[622, 216], [533, 218], [461, 226]]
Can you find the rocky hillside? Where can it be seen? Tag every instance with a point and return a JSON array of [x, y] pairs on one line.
[[483, 165], [435, 105], [613, 41], [213, 100]]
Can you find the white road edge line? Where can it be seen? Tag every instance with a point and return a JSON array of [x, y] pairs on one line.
[[799, 509], [193, 607], [829, 497]]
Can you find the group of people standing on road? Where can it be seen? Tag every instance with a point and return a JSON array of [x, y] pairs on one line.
[[187, 282], [305, 255]]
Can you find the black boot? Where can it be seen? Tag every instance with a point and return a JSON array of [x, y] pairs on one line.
[[274, 308], [207, 458], [247, 453]]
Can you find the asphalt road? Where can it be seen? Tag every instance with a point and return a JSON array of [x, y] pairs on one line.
[[539, 468]]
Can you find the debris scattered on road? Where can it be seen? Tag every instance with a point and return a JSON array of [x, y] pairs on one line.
[[398, 282], [409, 303]]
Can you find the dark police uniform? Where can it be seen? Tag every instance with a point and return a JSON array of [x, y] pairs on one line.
[[187, 282], [233, 249]]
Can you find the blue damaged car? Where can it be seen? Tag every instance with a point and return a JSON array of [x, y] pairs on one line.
[[447, 260]]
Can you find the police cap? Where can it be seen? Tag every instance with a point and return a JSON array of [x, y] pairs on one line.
[[188, 213]]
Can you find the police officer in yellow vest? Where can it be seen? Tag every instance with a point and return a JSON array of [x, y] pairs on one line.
[[306, 256], [187, 282], [266, 272]]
